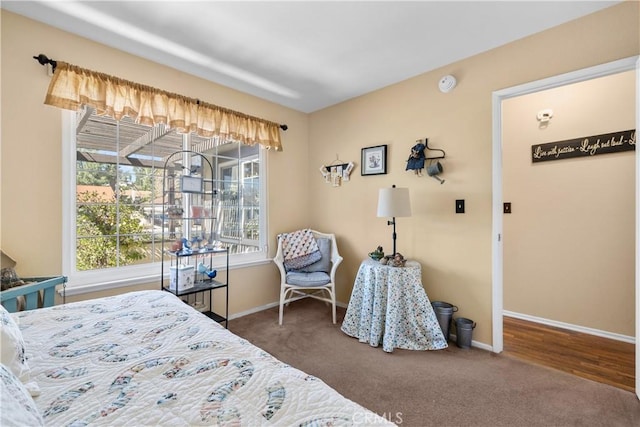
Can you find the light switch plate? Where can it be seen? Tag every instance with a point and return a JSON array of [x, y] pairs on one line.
[[460, 206]]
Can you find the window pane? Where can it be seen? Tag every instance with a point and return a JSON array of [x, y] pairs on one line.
[[114, 194], [96, 252], [120, 218]]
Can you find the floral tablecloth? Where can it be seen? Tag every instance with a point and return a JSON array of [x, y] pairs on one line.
[[389, 306]]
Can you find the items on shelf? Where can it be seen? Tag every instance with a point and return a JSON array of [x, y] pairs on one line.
[[182, 277], [191, 244], [202, 269], [186, 247]]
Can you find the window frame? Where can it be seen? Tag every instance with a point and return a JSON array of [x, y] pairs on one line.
[[94, 280], [229, 164]]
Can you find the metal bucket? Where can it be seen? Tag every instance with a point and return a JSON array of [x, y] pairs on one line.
[[464, 332], [444, 313]]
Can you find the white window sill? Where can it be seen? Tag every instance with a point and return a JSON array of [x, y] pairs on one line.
[[86, 288]]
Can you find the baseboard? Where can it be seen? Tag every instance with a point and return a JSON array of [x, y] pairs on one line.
[[271, 305], [477, 344], [254, 310], [571, 327], [481, 345]]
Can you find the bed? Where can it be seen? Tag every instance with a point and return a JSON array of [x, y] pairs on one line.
[[146, 358]]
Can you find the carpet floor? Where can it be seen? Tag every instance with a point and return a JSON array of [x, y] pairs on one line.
[[450, 387]]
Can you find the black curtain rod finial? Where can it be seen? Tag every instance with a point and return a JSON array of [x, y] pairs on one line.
[[284, 127], [43, 60]]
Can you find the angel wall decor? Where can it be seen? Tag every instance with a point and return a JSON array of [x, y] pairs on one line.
[[419, 155], [416, 159]]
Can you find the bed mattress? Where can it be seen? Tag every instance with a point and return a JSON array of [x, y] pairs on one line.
[[147, 358]]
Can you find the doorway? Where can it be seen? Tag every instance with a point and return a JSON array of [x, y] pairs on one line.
[[498, 98]]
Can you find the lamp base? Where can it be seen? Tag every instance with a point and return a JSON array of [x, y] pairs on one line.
[[394, 235]]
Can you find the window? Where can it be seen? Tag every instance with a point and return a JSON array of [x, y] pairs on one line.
[[113, 216]]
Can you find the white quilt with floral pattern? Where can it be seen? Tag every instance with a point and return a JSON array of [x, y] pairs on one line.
[[147, 359]]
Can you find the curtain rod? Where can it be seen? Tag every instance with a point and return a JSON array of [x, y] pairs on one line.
[[43, 60]]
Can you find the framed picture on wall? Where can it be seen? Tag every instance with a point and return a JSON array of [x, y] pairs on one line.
[[374, 160]]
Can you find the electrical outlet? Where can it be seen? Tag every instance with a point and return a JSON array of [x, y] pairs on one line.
[[460, 206]]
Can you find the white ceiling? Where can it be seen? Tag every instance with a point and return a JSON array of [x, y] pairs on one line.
[[301, 54]]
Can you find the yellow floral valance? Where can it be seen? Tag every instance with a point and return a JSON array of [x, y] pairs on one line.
[[72, 87]]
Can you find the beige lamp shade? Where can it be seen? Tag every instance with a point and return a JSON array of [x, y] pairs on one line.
[[394, 202]]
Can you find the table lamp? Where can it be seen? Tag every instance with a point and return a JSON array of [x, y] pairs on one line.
[[394, 202]]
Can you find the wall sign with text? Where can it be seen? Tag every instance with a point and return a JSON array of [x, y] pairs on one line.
[[585, 147]]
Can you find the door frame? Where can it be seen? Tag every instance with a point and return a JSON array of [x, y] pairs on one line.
[[622, 65]]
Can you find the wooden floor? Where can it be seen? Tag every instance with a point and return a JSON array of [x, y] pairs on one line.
[[599, 359]]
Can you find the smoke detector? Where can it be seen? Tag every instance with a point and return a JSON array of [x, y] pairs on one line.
[[544, 116], [447, 83]]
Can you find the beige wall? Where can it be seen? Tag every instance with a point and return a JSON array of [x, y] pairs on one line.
[[31, 175], [455, 250], [570, 242]]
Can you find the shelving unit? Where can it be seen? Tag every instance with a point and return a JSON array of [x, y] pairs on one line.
[[189, 247]]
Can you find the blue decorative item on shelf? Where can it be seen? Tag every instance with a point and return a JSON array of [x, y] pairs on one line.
[[186, 247], [204, 270]]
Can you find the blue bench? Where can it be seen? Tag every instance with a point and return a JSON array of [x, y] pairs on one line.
[[39, 292]]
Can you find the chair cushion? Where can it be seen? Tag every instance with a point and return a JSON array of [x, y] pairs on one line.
[[299, 248], [316, 278], [324, 264]]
